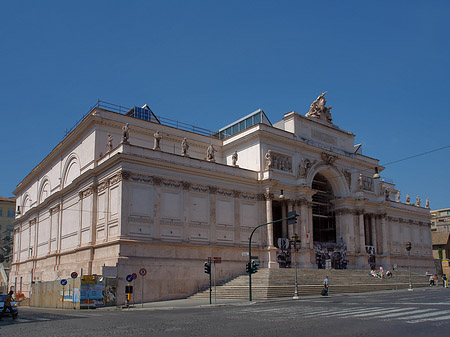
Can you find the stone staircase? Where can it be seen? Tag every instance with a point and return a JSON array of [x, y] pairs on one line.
[[276, 283]]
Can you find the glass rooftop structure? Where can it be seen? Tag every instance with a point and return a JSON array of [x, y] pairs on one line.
[[255, 117], [144, 113]]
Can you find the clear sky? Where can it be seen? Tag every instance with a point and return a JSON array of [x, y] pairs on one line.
[[385, 65]]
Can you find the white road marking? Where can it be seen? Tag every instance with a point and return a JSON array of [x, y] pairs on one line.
[[431, 319], [403, 313]]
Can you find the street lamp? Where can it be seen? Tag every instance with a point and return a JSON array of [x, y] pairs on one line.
[[294, 242], [408, 248]]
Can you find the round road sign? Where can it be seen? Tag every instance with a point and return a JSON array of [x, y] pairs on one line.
[[134, 276], [63, 282], [142, 271], [129, 278], [74, 275]]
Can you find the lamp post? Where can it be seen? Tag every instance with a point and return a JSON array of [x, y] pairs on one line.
[[408, 248], [294, 242]]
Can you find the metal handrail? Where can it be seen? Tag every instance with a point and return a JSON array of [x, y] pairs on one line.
[[122, 110]]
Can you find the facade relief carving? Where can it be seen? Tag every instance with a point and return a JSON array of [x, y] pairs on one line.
[[115, 179], [348, 178], [212, 189], [249, 196], [86, 192], [328, 159], [281, 162], [224, 192], [142, 178], [365, 183], [199, 188], [186, 185], [102, 186], [319, 110], [304, 166], [171, 183]]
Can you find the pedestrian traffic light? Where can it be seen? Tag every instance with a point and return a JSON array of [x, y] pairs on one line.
[[248, 268], [254, 267], [292, 217], [208, 267]]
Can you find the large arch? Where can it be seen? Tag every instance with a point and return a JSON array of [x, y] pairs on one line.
[[329, 184], [71, 169]]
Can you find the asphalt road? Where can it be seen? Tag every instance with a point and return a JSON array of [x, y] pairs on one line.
[[423, 312]]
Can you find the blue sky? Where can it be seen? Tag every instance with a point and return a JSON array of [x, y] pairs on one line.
[[385, 65]]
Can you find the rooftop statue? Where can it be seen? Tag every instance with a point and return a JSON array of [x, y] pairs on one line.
[[184, 147], [319, 110]]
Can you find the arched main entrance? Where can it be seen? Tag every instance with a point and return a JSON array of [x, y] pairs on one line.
[[329, 253], [324, 220]]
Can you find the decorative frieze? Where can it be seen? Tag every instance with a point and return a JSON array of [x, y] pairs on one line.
[[186, 185], [225, 193], [249, 196], [212, 189], [115, 179], [142, 178], [171, 183], [199, 188], [102, 186], [54, 209], [86, 192], [236, 194]]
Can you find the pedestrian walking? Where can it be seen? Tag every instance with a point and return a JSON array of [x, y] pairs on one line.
[[7, 305], [444, 281], [325, 286]]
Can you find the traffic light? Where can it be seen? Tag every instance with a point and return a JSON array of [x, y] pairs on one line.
[[248, 268], [292, 217], [208, 267], [254, 267]]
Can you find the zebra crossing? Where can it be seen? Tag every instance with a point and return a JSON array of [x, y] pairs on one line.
[[407, 314]]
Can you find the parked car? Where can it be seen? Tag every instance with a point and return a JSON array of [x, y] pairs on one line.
[[14, 305]]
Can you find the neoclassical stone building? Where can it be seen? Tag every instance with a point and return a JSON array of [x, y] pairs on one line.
[[127, 190]]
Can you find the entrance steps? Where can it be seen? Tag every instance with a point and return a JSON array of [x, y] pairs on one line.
[[275, 283]]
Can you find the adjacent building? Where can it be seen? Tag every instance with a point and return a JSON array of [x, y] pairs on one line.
[[7, 213], [127, 190], [440, 220]]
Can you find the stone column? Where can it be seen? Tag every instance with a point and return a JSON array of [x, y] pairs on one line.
[[362, 237], [237, 218], [212, 214], [291, 226], [269, 218], [157, 208], [385, 235], [185, 215], [302, 226], [284, 226], [374, 232]]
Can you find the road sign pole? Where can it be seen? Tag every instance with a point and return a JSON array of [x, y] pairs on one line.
[[215, 289], [293, 216], [142, 291], [73, 293]]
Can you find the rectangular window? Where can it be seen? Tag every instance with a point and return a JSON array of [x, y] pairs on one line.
[[0, 212], [257, 118], [241, 125], [249, 121], [235, 128], [11, 214]]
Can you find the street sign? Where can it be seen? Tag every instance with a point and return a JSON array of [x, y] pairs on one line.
[[134, 276], [142, 271], [74, 275], [129, 278], [63, 282], [217, 259]]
